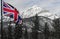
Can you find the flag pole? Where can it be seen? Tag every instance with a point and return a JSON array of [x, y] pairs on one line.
[[1, 21]]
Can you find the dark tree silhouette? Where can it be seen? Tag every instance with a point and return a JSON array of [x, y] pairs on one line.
[[10, 31], [57, 27], [46, 31], [4, 34], [18, 31], [26, 33], [35, 28]]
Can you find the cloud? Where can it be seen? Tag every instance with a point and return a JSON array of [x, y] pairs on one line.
[[52, 5]]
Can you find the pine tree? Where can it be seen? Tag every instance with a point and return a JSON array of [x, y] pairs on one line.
[[4, 34], [18, 31], [46, 31], [26, 33], [10, 31], [35, 28]]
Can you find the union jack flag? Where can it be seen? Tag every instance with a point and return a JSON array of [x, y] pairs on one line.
[[9, 10]]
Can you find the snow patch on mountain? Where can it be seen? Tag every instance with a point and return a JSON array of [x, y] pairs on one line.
[[32, 11]]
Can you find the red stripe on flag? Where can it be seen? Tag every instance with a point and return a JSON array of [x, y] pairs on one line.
[[8, 10], [15, 12]]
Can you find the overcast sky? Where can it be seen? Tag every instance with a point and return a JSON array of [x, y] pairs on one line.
[[52, 5]]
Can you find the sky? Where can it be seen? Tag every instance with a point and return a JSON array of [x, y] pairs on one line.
[[52, 5]]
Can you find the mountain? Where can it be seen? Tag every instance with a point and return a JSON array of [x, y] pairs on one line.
[[32, 11]]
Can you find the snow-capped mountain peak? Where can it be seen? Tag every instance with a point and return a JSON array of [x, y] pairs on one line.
[[32, 11]]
